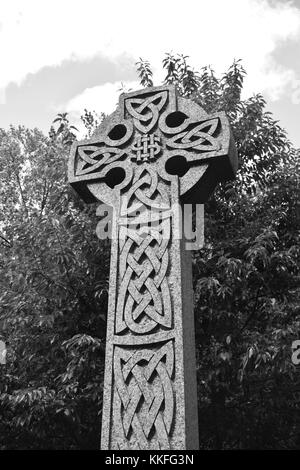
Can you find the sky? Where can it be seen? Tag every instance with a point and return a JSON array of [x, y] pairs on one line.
[[67, 55]]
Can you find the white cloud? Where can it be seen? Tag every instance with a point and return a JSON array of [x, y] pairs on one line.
[[275, 79], [36, 33], [102, 99]]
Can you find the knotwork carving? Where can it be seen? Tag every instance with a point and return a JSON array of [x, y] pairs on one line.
[[145, 111], [94, 156], [144, 398], [156, 151], [91, 158], [144, 299], [146, 147], [199, 137]]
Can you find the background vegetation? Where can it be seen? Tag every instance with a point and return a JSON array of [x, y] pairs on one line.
[[54, 283]]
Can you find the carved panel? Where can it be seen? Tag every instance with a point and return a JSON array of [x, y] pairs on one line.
[[144, 399]]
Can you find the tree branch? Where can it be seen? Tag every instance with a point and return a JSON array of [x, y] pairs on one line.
[[9, 244], [252, 314]]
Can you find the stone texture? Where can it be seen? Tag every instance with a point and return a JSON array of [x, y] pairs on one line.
[[156, 151]]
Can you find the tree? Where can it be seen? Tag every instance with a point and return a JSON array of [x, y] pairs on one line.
[[54, 282], [53, 296]]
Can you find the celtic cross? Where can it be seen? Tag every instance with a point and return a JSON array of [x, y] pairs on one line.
[[155, 153]]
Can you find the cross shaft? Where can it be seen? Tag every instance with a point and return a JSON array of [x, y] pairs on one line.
[[156, 152]]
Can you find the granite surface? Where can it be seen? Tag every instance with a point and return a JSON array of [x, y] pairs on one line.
[[154, 154]]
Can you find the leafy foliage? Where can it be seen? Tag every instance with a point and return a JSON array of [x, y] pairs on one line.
[[54, 283], [145, 73], [53, 297]]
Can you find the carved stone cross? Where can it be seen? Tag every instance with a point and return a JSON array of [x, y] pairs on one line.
[[157, 151]]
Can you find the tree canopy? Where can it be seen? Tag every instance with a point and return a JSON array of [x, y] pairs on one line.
[[54, 283]]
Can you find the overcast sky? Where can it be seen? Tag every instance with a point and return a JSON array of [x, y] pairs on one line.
[[67, 55]]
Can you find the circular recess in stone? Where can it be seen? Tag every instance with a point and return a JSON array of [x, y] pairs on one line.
[[177, 165], [175, 119], [117, 132], [114, 177]]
